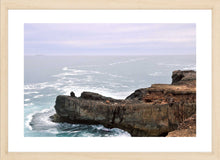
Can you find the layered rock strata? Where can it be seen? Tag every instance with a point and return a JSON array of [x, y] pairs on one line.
[[185, 129]]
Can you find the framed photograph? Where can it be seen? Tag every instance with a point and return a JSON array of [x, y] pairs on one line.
[[109, 80]]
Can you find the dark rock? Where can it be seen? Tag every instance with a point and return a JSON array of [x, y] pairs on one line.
[[187, 77], [138, 94], [96, 96], [72, 94]]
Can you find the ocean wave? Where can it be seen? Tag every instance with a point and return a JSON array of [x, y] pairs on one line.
[[65, 68], [35, 86], [28, 104], [120, 133], [79, 66], [26, 100], [65, 83], [128, 61], [40, 121], [155, 74], [65, 74], [117, 132], [113, 75], [74, 72], [37, 96], [78, 85], [189, 67], [48, 95], [27, 123], [39, 86], [31, 92]]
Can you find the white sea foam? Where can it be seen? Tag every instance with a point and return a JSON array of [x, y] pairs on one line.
[[41, 119], [113, 75], [189, 67], [29, 118], [74, 72], [31, 92], [117, 132], [64, 74], [120, 133], [78, 85], [39, 86], [155, 74], [53, 131], [66, 83], [128, 61], [26, 100], [65, 68], [78, 66], [37, 96], [28, 104], [50, 95], [36, 86]]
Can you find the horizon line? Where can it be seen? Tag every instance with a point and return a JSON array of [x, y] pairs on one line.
[[110, 55]]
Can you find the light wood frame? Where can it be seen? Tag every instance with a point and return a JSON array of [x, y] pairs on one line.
[[214, 5]]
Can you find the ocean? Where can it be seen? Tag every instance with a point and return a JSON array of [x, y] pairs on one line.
[[46, 77]]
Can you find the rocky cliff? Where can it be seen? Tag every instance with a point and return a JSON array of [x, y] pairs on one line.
[[152, 111], [187, 128]]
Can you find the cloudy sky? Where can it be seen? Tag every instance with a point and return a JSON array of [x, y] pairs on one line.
[[109, 39]]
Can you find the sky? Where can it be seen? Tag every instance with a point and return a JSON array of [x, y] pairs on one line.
[[109, 39]]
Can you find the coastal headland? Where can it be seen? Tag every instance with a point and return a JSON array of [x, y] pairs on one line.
[[160, 110]]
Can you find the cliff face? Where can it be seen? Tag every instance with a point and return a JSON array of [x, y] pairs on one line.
[[185, 129], [187, 78], [152, 111]]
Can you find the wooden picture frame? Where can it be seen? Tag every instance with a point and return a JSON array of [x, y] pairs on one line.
[[213, 5]]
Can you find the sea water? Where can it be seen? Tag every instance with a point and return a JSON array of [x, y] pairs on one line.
[[46, 77]]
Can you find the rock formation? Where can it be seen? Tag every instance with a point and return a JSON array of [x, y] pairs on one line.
[[152, 111], [187, 78], [185, 129], [72, 94]]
